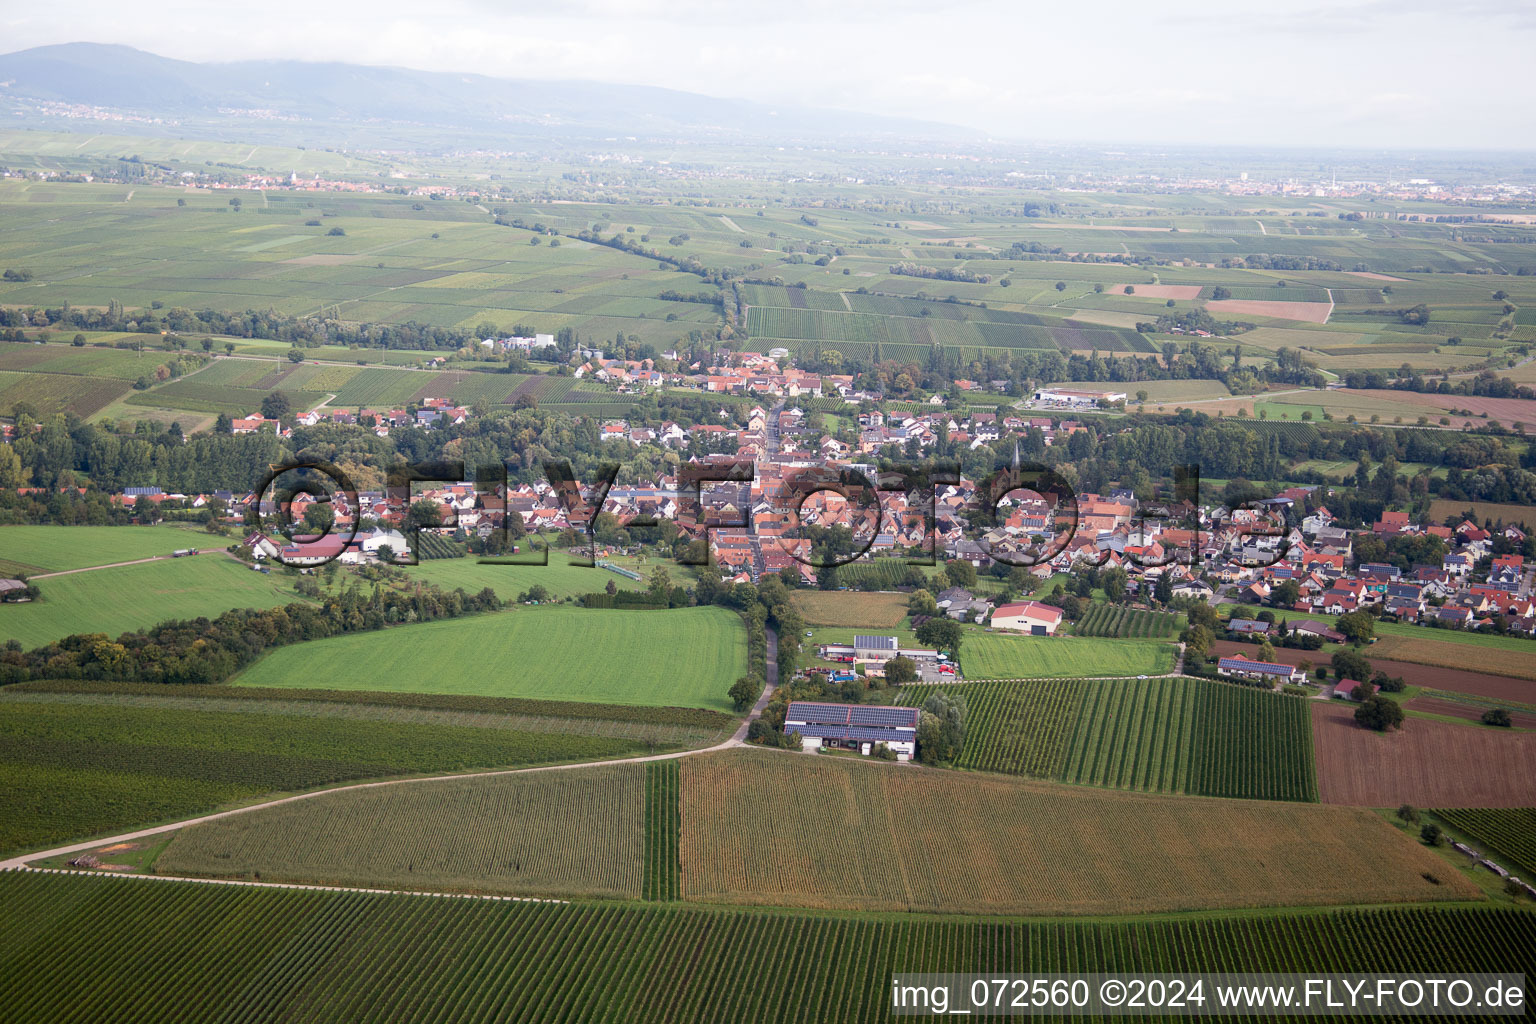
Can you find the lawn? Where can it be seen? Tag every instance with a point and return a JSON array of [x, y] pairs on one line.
[[681, 658], [993, 656], [1017, 846], [38, 549], [131, 597], [559, 577]]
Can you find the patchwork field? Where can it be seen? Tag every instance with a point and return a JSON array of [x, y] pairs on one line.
[[993, 656], [130, 597], [849, 608], [80, 764], [1428, 763], [321, 957], [686, 657], [39, 549], [1018, 846], [554, 833], [1177, 735]]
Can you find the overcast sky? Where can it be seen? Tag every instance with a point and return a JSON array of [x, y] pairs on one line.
[[1373, 73]]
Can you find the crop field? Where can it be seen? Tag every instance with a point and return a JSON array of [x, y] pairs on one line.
[[1509, 834], [1428, 764], [76, 765], [849, 608], [320, 957], [38, 549], [994, 656], [1113, 620], [1429, 650], [1015, 846], [50, 393], [661, 831], [1175, 735], [1442, 509], [685, 657], [556, 833], [98, 601]]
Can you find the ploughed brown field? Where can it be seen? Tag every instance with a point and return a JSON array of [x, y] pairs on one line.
[[1478, 684], [1427, 763], [814, 830], [1472, 713], [1311, 312], [1506, 410]]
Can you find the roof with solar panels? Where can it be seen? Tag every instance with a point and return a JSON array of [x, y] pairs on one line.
[[850, 721]]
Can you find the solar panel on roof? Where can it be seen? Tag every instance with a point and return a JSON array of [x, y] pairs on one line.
[[883, 716]]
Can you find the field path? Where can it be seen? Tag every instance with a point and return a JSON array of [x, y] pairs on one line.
[[737, 739], [731, 224], [1262, 229], [112, 565], [1330, 305]]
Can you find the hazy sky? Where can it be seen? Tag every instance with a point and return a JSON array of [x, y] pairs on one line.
[[1400, 73]]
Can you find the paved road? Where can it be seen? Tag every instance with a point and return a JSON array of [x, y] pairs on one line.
[[738, 738]]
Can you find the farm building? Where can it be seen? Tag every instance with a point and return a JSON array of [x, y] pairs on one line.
[[853, 726], [1078, 397], [874, 648], [1237, 665], [1307, 627], [1033, 617]]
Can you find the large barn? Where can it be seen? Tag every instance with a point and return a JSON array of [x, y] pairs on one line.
[[853, 726], [1033, 617]]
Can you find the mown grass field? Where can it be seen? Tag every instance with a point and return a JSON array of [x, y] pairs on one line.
[[77, 765], [1176, 735], [560, 833], [321, 957], [849, 608], [559, 577], [686, 657], [994, 656], [946, 842], [130, 597], [38, 549]]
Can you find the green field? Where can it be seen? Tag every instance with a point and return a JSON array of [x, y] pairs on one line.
[[1177, 735], [559, 577], [132, 597], [554, 833], [39, 549], [76, 765], [684, 657], [1112, 620], [994, 656], [323, 957]]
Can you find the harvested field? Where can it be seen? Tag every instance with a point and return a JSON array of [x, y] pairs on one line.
[[1160, 291], [1374, 277], [1311, 312], [1450, 656], [846, 608], [861, 835], [1507, 411], [1427, 763], [1442, 509], [1471, 712], [1456, 680]]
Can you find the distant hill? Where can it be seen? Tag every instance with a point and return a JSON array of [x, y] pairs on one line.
[[125, 79]]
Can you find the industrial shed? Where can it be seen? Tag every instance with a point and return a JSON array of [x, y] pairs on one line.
[[853, 726]]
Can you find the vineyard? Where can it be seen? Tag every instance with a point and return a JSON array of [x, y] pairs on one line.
[[318, 957], [564, 833], [1104, 619], [661, 829], [71, 769], [1510, 834], [430, 545], [756, 828], [49, 393], [1169, 735], [844, 608]]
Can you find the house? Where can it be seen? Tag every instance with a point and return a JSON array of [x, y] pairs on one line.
[[853, 726], [1032, 617], [1249, 627], [1311, 627], [1246, 668]]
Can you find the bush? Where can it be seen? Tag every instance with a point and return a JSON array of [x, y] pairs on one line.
[[1380, 714], [336, 232], [1431, 834], [1498, 717]]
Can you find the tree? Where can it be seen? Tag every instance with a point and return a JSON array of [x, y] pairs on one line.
[[921, 602], [660, 588], [826, 577], [743, 693], [295, 355], [1286, 594], [1380, 714], [942, 633], [1350, 665], [1198, 639], [385, 553], [318, 517], [1431, 834], [11, 475], [1498, 717], [425, 514], [961, 573], [941, 728], [900, 670], [1266, 650], [1163, 589], [1061, 286], [1362, 692], [336, 232], [1408, 814], [1114, 581], [229, 348], [1357, 626], [78, 341], [223, 424], [275, 405], [611, 587]]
